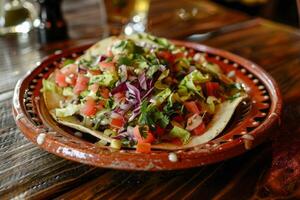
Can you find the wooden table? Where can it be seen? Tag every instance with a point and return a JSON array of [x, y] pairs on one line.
[[29, 172]]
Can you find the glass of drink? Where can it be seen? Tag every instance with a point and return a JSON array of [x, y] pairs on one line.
[[16, 16], [127, 16]]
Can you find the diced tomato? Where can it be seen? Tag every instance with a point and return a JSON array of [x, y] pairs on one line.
[[143, 147], [69, 69], [104, 93], [191, 53], [179, 55], [107, 66], [166, 55], [100, 105], [176, 141], [192, 107], [95, 72], [72, 79], [117, 122], [81, 83], [212, 88], [60, 79], [199, 130], [89, 108], [176, 68], [94, 88], [149, 137], [159, 131]]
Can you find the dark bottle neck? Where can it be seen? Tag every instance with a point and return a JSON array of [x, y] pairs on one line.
[[53, 26]]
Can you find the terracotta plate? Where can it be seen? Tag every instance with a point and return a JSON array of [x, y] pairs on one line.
[[252, 122]]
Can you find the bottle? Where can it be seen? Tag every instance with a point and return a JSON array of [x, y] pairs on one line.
[[52, 25]]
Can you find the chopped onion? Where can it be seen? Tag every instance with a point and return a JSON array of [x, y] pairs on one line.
[[197, 57], [193, 122], [115, 115], [123, 73], [134, 115], [126, 135], [162, 68], [147, 93], [142, 81], [231, 74], [130, 130], [125, 106], [152, 100]]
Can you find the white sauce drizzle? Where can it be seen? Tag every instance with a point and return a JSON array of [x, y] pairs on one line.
[[41, 138], [19, 116], [173, 157]]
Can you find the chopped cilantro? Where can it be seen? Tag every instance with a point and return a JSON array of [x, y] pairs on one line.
[[150, 115], [233, 97], [125, 60], [67, 62]]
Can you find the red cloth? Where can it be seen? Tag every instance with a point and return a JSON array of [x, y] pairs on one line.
[[284, 175]]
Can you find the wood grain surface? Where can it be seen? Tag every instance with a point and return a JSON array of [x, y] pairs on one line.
[[27, 172]]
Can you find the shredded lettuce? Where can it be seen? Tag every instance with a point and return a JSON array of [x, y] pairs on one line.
[[181, 133], [92, 94], [105, 79], [67, 62], [116, 144], [102, 117], [162, 42], [68, 91], [212, 101], [152, 69], [84, 93], [191, 82], [110, 133], [126, 46], [88, 64], [183, 63], [70, 110], [158, 84], [211, 67], [48, 86], [122, 47], [162, 96], [141, 62]]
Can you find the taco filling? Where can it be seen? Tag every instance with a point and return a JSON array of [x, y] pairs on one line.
[[143, 92]]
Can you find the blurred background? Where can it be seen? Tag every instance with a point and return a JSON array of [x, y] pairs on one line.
[[31, 29], [78, 16], [284, 11]]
